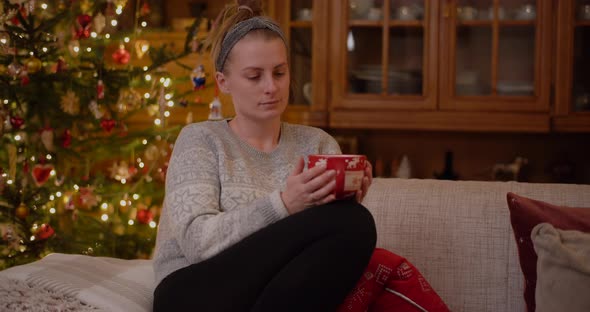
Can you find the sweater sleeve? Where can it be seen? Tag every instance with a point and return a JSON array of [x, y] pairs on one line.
[[200, 228]]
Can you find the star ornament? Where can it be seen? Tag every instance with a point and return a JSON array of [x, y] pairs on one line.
[[70, 103]]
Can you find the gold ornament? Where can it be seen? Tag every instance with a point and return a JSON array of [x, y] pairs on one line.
[[141, 48], [33, 64], [22, 211], [3, 69], [70, 103], [120, 3], [86, 6], [129, 100]]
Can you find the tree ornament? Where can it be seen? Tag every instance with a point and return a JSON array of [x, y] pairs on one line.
[[47, 139], [22, 211], [3, 69], [198, 77], [145, 9], [100, 90], [30, 6], [121, 56], [108, 124], [144, 216], [120, 3], [16, 122], [4, 40], [141, 48], [129, 100], [120, 170], [70, 103], [15, 69], [85, 198], [61, 65], [66, 139], [82, 28], [41, 173], [33, 64], [86, 6], [24, 78], [215, 109], [95, 110], [99, 23], [44, 232]]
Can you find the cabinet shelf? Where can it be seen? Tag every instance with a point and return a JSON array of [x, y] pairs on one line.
[[501, 23], [392, 23], [301, 24]]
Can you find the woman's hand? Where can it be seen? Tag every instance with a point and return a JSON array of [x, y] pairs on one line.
[[308, 188], [367, 180]]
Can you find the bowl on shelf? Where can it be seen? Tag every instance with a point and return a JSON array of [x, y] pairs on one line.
[[584, 12], [526, 13], [467, 13], [507, 87], [367, 79]]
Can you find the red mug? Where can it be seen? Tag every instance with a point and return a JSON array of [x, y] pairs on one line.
[[350, 170]]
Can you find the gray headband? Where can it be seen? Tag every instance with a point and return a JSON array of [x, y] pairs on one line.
[[239, 30]]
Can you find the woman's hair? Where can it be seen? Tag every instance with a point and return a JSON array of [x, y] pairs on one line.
[[237, 12]]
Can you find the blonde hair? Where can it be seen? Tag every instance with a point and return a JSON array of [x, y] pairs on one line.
[[230, 16]]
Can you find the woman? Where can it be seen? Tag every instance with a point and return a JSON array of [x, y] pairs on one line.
[[245, 227]]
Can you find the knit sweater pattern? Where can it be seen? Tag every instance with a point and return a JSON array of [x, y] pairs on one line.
[[220, 189]]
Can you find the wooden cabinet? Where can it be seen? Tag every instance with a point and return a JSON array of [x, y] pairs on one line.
[[441, 65], [572, 110], [306, 28]]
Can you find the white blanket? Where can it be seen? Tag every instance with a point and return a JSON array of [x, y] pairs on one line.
[[105, 283]]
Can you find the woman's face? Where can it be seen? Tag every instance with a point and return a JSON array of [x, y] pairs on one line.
[[257, 77]]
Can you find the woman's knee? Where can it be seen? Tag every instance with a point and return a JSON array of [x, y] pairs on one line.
[[355, 219]]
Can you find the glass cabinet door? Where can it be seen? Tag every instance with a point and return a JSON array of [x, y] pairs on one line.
[[572, 109], [300, 42], [580, 90], [497, 55], [384, 54], [305, 27]]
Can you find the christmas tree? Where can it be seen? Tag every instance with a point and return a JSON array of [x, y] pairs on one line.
[[76, 176]]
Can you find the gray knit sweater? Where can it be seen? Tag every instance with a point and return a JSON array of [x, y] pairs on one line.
[[219, 189]]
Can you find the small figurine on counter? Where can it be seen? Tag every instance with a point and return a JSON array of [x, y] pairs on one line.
[[511, 171], [448, 171]]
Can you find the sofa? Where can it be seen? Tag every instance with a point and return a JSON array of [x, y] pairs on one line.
[[457, 233]]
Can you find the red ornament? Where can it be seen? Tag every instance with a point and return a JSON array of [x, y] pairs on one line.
[[145, 9], [44, 232], [61, 65], [16, 122], [100, 90], [144, 216], [108, 124], [24, 79], [82, 30], [121, 56], [41, 173], [66, 139]]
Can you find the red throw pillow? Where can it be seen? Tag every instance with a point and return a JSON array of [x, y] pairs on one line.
[[391, 283], [525, 214]]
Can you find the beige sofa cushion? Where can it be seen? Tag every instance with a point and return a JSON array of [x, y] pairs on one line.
[[458, 234], [563, 269]]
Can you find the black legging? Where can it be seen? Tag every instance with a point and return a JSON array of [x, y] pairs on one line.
[[306, 262]]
